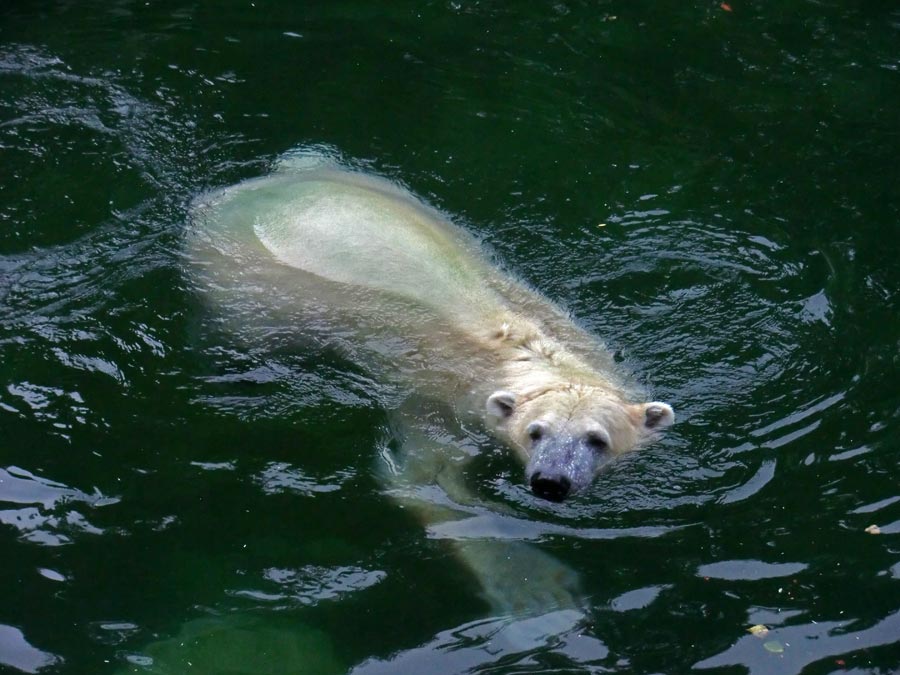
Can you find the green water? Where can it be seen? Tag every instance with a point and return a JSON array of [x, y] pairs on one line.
[[714, 193]]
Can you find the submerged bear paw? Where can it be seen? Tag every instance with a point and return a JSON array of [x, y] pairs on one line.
[[518, 579]]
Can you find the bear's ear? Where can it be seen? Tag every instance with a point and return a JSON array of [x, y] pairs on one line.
[[501, 403], [658, 415]]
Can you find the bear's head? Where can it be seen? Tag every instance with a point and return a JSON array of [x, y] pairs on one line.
[[566, 433]]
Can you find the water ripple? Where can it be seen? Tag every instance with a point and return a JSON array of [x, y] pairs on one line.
[[793, 648], [311, 585], [53, 521], [16, 652]]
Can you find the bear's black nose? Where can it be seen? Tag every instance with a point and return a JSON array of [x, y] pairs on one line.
[[553, 489]]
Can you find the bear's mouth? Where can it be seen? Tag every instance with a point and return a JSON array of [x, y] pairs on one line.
[[554, 489]]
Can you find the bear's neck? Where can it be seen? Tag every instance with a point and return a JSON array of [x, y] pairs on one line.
[[530, 359]]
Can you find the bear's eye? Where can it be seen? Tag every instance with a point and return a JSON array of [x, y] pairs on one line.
[[597, 441], [536, 430]]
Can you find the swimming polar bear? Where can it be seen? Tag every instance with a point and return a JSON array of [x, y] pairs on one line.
[[413, 298]]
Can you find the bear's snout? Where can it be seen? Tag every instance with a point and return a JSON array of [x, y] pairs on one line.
[[554, 489], [559, 467]]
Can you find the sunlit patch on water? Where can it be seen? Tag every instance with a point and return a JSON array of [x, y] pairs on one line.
[[114, 632], [748, 570], [791, 649], [17, 653], [639, 598], [487, 525], [529, 643], [309, 585], [281, 477], [57, 407], [55, 519]]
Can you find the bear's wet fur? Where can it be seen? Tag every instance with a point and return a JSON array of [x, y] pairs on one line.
[[416, 300]]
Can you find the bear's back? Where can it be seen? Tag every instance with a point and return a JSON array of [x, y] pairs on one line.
[[357, 231]]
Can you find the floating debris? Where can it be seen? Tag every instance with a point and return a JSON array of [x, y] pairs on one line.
[[758, 630], [774, 646], [873, 529]]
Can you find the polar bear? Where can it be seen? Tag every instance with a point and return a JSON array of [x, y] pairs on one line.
[[416, 300]]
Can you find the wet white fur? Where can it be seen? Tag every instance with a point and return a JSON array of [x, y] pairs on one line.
[[384, 265]]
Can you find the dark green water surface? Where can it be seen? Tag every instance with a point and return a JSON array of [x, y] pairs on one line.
[[712, 192]]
